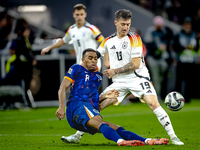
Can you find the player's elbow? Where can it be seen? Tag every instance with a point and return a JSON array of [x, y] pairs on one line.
[[137, 66], [107, 66]]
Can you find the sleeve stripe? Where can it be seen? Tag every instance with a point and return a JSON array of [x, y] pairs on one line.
[[103, 43], [135, 40], [68, 78]]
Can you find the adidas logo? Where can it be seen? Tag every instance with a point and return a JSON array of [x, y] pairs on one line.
[[149, 91], [113, 47]]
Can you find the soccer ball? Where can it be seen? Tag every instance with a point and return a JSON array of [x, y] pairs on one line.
[[174, 101]]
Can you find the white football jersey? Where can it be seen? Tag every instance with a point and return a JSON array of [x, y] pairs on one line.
[[82, 38], [121, 52]]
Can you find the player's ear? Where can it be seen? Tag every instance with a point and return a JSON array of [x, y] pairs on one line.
[[82, 59], [85, 14], [73, 15], [115, 22]]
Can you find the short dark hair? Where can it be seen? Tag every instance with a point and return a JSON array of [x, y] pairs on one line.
[[79, 7], [123, 13], [88, 50]]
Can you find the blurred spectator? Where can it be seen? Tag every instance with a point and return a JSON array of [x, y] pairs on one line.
[[13, 71], [157, 40], [20, 26], [22, 47], [5, 29], [185, 45]]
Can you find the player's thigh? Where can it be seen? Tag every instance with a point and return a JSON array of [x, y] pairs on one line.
[[121, 87], [79, 113], [142, 87]]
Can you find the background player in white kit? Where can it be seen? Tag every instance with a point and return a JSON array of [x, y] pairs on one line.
[[82, 34], [128, 70]]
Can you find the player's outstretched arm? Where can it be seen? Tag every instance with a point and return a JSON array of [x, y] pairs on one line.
[[56, 45], [60, 113], [133, 65]]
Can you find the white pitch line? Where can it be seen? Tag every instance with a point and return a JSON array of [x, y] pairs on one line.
[[31, 135], [105, 115]]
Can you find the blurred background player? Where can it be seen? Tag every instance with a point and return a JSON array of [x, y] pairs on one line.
[[82, 35]]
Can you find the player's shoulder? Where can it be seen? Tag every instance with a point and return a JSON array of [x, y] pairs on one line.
[[112, 36], [132, 34], [75, 67], [91, 26], [71, 27], [134, 38], [108, 39]]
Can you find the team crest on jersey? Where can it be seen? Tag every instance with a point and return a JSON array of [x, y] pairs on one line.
[[70, 71], [98, 76], [125, 45]]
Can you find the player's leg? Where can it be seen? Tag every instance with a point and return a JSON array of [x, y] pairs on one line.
[[111, 134], [163, 117], [129, 135], [144, 87]]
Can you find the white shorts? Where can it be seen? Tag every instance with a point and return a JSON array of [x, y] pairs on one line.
[[138, 88]]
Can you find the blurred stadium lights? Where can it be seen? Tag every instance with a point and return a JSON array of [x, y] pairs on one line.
[[32, 8]]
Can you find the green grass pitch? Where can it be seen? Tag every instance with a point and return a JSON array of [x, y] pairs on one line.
[[40, 129]]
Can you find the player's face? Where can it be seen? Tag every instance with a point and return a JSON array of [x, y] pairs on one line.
[[122, 27], [90, 61], [79, 16]]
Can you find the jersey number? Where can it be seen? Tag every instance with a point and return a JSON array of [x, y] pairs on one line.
[[119, 55], [79, 44], [145, 85]]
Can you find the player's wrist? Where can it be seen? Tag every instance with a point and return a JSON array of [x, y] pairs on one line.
[[115, 71]]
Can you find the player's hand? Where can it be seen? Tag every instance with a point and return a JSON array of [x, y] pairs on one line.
[[112, 94], [60, 113], [109, 73], [45, 50]]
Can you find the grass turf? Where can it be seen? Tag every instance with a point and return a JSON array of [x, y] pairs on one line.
[[40, 129]]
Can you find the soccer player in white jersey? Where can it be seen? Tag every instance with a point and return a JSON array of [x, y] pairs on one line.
[[128, 70], [82, 34]]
